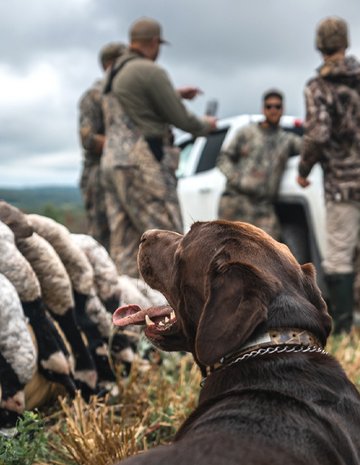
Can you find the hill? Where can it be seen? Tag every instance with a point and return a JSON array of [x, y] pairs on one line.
[[63, 204], [34, 199]]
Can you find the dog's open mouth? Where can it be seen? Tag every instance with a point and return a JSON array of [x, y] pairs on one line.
[[158, 320]]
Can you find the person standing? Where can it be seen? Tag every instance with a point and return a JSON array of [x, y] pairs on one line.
[[91, 130], [139, 159], [332, 138], [253, 164]]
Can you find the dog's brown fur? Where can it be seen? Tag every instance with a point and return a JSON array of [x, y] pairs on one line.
[[228, 283]]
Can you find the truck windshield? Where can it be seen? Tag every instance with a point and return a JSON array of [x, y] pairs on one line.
[[211, 150]]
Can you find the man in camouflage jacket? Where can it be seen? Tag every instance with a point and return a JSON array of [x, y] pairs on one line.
[[91, 129], [139, 161], [253, 164], [332, 138]]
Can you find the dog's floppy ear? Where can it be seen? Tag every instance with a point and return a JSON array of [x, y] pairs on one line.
[[237, 299]]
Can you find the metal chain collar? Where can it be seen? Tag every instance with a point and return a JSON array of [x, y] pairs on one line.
[[270, 350], [277, 349]]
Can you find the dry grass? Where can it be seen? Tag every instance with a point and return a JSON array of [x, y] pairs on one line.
[[147, 410], [346, 349], [92, 433]]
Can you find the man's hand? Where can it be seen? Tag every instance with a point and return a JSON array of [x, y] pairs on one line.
[[303, 182], [189, 92], [211, 120]]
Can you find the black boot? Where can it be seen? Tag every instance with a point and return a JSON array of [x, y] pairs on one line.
[[341, 295]]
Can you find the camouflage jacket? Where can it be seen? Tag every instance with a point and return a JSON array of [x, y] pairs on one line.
[[255, 160], [91, 121], [332, 128]]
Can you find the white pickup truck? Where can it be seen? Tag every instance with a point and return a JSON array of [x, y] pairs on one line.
[[301, 211]]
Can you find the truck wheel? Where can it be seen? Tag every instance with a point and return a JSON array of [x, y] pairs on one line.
[[295, 237]]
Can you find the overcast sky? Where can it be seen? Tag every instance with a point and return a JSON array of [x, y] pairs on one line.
[[232, 49]]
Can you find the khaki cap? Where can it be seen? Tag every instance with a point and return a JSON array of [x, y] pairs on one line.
[[332, 35], [111, 51], [145, 29]]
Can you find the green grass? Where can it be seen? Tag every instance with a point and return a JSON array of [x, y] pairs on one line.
[[28, 445]]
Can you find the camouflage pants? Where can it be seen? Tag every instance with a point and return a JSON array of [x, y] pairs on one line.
[[94, 203], [139, 198], [343, 232], [357, 287], [260, 213]]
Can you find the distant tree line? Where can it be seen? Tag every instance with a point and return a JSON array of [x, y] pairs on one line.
[[63, 204]]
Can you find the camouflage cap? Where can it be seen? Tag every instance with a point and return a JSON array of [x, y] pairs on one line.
[[110, 52], [332, 35], [145, 29]]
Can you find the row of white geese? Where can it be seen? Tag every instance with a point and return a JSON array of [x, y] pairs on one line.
[[57, 294]]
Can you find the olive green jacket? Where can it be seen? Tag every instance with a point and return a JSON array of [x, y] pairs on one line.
[[150, 100]]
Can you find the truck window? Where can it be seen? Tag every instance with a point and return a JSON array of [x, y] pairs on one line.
[[211, 150], [184, 157]]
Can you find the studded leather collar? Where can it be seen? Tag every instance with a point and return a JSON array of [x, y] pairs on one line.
[[279, 337]]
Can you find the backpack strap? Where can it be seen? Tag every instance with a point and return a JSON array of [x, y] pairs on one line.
[[114, 71]]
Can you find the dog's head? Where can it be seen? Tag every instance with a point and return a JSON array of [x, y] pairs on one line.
[[225, 281]]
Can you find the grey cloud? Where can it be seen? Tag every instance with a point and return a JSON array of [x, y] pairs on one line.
[[233, 50]]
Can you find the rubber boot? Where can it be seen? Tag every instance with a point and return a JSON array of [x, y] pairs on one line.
[[341, 295]]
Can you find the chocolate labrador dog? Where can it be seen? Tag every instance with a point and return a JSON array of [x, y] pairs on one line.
[[256, 324]]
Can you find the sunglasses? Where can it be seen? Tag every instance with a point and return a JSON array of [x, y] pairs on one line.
[[270, 106]]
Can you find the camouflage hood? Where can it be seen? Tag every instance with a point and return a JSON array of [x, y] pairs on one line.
[[332, 128], [346, 71]]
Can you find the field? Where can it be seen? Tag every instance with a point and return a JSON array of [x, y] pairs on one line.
[[142, 411], [139, 412], [62, 204]]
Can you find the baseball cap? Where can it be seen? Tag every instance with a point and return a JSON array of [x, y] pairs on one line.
[[111, 51], [146, 28], [332, 35]]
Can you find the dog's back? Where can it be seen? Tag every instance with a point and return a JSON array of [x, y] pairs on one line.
[[300, 404], [215, 449]]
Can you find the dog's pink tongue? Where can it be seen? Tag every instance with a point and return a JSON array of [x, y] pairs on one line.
[[134, 315]]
